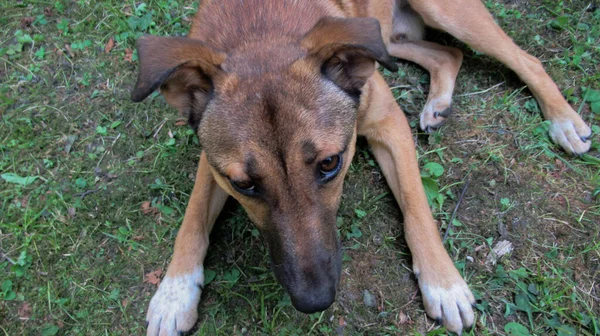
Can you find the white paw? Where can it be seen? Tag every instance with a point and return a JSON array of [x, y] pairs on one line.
[[451, 307], [174, 307], [572, 135], [435, 113]]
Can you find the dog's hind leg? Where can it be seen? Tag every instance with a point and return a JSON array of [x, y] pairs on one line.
[[469, 21], [174, 307], [442, 63], [446, 296]]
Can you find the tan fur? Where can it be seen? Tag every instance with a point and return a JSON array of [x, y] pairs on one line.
[[274, 87]]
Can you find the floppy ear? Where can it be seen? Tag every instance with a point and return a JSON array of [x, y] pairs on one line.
[[183, 69], [347, 49]]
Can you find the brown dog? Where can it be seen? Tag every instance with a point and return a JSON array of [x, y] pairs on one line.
[[278, 91]]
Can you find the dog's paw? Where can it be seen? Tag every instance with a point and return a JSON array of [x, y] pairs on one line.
[[435, 113], [173, 309], [451, 306], [572, 134]]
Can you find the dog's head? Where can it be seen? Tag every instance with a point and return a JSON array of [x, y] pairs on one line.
[[278, 123]]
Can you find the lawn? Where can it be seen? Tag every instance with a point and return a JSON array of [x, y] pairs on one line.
[[93, 188]]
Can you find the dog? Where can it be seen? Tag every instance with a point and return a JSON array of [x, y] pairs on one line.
[[278, 91]]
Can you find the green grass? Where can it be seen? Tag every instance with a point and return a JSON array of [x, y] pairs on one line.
[[94, 187]]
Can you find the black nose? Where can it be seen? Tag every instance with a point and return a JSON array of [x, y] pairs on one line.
[[314, 300]]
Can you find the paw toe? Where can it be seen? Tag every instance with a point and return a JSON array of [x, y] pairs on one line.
[[434, 116], [450, 307], [173, 309], [572, 136]]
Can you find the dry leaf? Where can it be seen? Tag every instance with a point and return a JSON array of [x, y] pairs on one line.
[[109, 45], [48, 11], [181, 122], [147, 209], [128, 54], [26, 22], [502, 247], [403, 318], [25, 311], [69, 51], [153, 277]]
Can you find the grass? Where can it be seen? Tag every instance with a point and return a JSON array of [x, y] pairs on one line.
[[94, 188]]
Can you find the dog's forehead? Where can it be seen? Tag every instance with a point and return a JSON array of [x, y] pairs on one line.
[[275, 116], [253, 59]]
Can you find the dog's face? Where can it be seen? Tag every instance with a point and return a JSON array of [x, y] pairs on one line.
[[282, 148], [278, 125]]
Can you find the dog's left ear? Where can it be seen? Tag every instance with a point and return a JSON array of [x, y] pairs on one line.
[[347, 49]]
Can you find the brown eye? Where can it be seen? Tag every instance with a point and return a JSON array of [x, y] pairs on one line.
[[329, 164], [329, 168], [244, 187]]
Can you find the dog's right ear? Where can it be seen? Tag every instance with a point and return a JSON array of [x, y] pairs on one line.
[[347, 49], [183, 69]]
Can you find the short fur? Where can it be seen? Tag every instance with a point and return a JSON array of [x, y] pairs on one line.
[[276, 88]]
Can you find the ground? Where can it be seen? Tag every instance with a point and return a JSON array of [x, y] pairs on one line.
[[94, 187]]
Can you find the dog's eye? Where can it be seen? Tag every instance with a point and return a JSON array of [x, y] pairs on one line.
[[329, 168], [245, 187]]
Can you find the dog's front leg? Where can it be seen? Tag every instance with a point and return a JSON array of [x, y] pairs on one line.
[[446, 296], [174, 307]]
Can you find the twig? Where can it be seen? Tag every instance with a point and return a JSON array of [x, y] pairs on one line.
[[8, 258], [462, 194], [400, 87], [87, 192], [480, 92], [159, 128]]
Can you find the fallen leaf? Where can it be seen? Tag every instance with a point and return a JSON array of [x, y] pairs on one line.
[[502, 247], [71, 211], [369, 299], [124, 303], [128, 54], [25, 201], [25, 311], [69, 50], [48, 11], [147, 209], [26, 22], [153, 277], [403, 318], [341, 322], [109, 45], [181, 122]]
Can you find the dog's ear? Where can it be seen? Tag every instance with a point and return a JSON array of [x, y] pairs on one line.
[[183, 69], [347, 49]]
